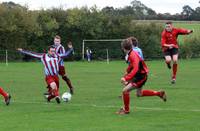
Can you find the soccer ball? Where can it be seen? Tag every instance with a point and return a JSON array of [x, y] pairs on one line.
[[66, 97]]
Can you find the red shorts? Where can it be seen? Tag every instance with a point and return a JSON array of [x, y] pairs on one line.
[[61, 70], [50, 79], [139, 80]]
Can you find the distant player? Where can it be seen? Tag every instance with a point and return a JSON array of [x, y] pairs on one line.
[[61, 50], [50, 61], [170, 46], [135, 78], [88, 54], [6, 96]]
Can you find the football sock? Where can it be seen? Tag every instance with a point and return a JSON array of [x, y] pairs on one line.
[[126, 100], [168, 64], [150, 93], [67, 80], [56, 92], [3, 93], [50, 97], [174, 70]]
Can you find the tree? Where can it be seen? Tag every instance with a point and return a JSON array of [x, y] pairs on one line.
[[187, 12]]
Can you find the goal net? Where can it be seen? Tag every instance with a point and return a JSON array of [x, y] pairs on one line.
[[102, 49]]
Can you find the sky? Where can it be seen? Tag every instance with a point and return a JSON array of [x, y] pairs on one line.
[[160, 6]]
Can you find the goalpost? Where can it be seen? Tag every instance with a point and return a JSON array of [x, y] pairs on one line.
[[100, 40], [4, 56]]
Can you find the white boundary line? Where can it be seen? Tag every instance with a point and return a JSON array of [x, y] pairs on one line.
[[112, 106]]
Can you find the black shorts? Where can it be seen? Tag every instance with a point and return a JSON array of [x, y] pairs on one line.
[[139, 80], [171, 52]]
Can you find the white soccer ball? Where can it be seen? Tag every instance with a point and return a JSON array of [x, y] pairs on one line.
[[66, 96]]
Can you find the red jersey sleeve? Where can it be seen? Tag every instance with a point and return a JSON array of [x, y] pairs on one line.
[[129, 68], [134, 64], [182, 32]]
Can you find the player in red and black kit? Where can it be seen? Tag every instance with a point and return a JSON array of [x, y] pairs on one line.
[[61, 50], [170, 46], [135, 77], [6, 96]]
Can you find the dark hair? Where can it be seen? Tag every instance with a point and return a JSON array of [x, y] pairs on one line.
[[50, 47], [57, 37], [126, 44], [168, 22], [134, 41], [69, 43]]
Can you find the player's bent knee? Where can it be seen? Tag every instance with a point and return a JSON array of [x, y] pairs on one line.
[[53, 85]]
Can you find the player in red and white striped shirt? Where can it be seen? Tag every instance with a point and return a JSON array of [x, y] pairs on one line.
[[61, 50], [50, 61]]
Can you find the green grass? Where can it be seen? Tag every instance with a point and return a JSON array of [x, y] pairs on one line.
[[93, 106]]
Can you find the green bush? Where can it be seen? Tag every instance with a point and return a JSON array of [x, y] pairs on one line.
[[190, 48]]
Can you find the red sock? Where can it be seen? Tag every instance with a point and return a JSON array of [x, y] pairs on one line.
[[3, 93], [174, 70], [126, 99], [50, 90], [50, 97], [55, 92], [150, 93]]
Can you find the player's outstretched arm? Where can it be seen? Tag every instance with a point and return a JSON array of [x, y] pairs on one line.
[[184, 31], [67, 52], [30, 53]]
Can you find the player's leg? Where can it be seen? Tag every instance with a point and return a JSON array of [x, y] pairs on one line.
[[66, 78], [6, 96], [126, 100], [54, 92], [167, 54], [175, 66], [53, 85], [141, 93], [140, 82], [168, 61]]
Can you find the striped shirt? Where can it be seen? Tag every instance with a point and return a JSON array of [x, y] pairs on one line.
[[51, 63], [60, 50]]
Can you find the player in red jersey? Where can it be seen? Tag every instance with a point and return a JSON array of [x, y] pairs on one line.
[[135, 78], [50, 61], [6, 96], [170, 46], [60, 50]]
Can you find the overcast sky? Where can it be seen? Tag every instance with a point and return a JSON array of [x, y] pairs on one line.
[[161, 6]]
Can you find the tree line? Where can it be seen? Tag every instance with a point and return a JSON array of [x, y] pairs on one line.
[[34, 30]]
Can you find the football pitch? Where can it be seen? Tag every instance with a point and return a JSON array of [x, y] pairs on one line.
[[93, 106]]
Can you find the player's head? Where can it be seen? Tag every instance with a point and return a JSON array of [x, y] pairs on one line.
[[69, 43], [168, 26], [134, 41], [126, 45], [57, 40], [51, 50]]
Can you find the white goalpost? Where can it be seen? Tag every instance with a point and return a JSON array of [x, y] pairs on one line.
[[99, 40], [4, 56]]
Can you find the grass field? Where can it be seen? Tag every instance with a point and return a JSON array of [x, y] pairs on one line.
[[95, 102]]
